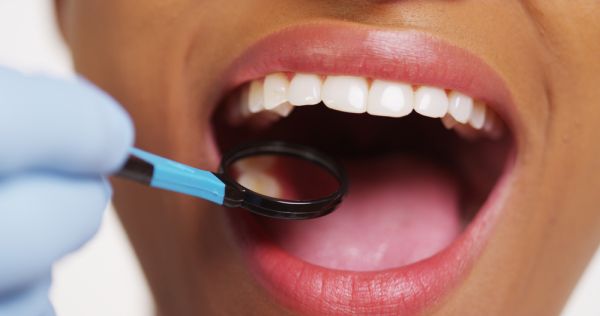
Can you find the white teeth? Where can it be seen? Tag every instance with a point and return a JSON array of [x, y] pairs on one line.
[[345, 93], [477, 119], [431, 102], [466, 131], [283, 109], [260, 182], [256, 97], [390, 99], [238, 112], [448, 121], [245, 102], [305, 89], [460, 106], [275, 90], [493, 127], [277, 97]]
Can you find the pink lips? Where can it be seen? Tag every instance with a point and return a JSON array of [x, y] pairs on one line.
[[407, 56]]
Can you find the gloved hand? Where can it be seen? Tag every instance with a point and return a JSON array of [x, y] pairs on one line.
[[58, 141]]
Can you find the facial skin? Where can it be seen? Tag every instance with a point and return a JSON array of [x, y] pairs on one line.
[[162, 59]]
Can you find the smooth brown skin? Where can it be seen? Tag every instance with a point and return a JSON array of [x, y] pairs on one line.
[[160, 59]]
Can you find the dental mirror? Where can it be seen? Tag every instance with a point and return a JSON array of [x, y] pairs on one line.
[[273, 179]]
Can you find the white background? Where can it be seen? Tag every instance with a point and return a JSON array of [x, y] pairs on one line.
[[104, 277]]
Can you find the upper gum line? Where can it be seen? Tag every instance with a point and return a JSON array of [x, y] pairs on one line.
[[280, 92]]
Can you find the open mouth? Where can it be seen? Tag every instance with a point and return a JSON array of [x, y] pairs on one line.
[[423, 160], [414, 184]]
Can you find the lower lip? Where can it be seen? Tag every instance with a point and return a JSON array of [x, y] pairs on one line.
[[406, 290]]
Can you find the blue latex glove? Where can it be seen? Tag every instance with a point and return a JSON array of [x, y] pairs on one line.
[[58, 139]]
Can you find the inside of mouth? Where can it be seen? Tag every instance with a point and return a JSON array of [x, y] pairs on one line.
[[413, 185]]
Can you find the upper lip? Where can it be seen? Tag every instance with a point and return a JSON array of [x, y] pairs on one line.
[[345, 49], [408, 56]]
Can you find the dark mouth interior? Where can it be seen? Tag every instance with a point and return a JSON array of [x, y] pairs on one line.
[[474, 165], [477, 164]]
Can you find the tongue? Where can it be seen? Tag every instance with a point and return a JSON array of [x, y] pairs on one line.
[[398, 211]]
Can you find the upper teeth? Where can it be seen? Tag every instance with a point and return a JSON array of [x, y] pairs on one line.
[[278, 94], [305, 90], [430, 101], [390, 99], [346, 93]]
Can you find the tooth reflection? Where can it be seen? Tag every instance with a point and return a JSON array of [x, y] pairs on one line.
[[260, 182]]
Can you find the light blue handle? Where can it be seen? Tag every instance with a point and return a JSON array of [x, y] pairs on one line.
[[173, 176]]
